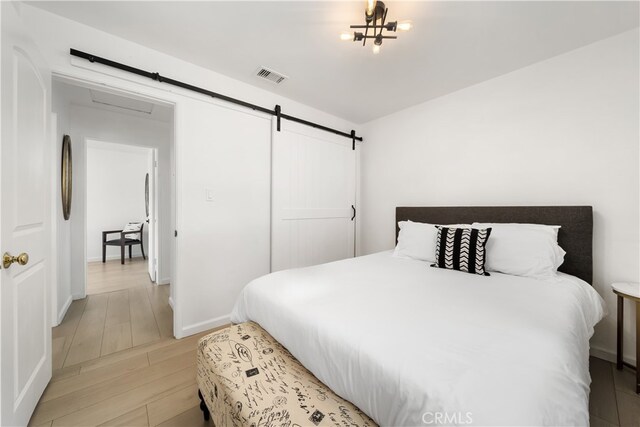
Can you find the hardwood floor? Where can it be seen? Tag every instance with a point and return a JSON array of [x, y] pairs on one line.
[[110, 322], [613, 401], [113, 276], [148, 385], [117, 364]]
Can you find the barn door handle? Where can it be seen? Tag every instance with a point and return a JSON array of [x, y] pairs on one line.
[[354, 212]]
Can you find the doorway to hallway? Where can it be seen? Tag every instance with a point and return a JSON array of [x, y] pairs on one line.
[[120, 213], [122, 148]]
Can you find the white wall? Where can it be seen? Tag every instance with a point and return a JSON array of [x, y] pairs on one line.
[[560, 132], [61, 231], [205, 299], [115, 194]]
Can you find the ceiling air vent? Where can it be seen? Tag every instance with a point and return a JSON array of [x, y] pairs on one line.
[[272, 76]]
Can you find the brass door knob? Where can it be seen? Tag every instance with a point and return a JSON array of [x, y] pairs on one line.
[[21, 259]]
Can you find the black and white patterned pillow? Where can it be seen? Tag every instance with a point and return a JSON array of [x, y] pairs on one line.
[[462, 249]]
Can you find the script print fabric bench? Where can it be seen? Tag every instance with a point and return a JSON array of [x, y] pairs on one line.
[[246, 378]]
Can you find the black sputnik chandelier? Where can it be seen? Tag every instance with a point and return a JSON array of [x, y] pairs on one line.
[[375, 25]]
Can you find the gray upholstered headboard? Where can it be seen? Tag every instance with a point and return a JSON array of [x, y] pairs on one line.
[[575, 236]]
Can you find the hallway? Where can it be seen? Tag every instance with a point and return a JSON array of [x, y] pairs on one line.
[[113, 276]]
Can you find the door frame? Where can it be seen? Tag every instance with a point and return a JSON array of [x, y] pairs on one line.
[[150, 151], [119, 89]]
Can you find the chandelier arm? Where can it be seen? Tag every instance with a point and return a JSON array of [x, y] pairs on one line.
[[384, 18], [364, 39], [366, 31], [365, 26], [384, 37]]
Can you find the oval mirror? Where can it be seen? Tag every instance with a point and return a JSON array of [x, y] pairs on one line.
[[146, 195], [66, 176]]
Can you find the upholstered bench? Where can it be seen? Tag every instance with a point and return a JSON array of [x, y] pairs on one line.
[[246, 378]]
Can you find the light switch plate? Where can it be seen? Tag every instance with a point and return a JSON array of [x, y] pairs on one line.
[[208, 195]]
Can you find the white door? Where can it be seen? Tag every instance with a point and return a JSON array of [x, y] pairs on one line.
[[25, 214], [222, 210], [313, 197]]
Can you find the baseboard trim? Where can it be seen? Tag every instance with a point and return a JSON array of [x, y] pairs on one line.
[[78, 296], [207, 324], [171, 303], [608, 355], [165, 281], [63, 310], [113, 257], [603, 354]]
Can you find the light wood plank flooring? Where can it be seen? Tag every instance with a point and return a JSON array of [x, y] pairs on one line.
[[107, 323], [113, 276], [148, 385], [613, 401], [116, 363]]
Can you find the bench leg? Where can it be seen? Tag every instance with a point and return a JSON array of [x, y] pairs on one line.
[[637, 348], [619, 347], [203, 407]]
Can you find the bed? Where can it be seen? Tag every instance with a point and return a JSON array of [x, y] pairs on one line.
[[413, 345]]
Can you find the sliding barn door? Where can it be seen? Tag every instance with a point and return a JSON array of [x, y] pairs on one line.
[[313, 197]]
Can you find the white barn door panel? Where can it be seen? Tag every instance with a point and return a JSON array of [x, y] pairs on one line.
[[223, 210], [313, 197]]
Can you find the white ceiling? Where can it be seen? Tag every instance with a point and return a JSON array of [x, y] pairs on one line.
[[453, 44], [131, 105]]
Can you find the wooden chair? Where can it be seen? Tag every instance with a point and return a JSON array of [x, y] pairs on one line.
[[127, 238]]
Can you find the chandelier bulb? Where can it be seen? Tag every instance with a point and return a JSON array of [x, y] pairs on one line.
[[346, 36], [405, 25], [376, 49], [371, 6]]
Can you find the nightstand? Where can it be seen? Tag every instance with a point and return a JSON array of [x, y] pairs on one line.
[[630, 291]]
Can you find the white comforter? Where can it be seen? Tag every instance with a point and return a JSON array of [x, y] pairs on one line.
[[414, 345]]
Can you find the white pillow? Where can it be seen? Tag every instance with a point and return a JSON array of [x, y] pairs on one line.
[[549, 228], [132, 226], [529, 250], [417, 240]]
